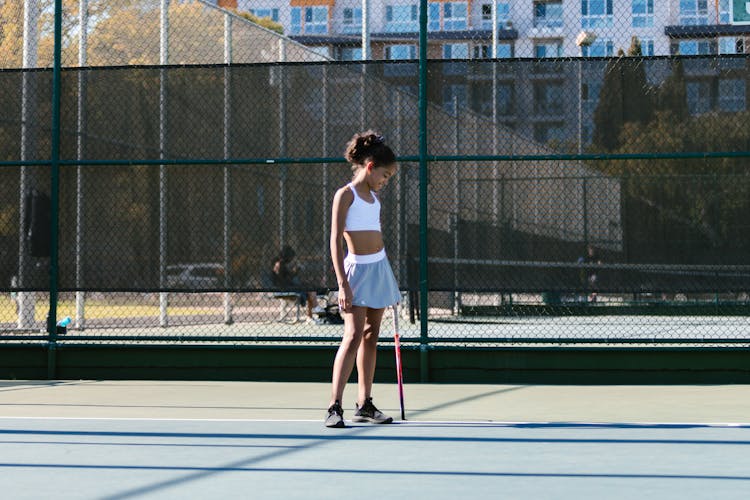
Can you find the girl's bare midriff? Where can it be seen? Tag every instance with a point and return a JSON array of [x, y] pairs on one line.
[[363, 242]]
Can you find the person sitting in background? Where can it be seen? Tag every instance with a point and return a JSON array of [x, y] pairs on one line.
[[589, 276], [285, 275]]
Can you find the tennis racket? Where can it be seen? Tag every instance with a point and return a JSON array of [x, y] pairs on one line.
[[399, 374]]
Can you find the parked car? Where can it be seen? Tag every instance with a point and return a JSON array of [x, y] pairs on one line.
[[195, 276]]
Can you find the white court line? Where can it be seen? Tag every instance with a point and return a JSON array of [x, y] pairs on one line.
[[498, 423]]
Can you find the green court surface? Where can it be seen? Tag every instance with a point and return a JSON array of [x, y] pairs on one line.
[[126, 439]]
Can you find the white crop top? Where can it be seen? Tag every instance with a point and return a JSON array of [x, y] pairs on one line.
[[362, 216]]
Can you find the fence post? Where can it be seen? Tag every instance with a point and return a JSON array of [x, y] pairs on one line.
[[282, 144], [228, 319], [453, 222], [81, 126], [326, 210], [54, 195], [163, 59], [29, 177], [423, 184]]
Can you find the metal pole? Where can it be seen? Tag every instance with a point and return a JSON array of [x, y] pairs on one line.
[[228, 319], [163, 58], [326, 207], [400, 231], [28, 180], [54, 193], [83, 19], [495, 166], [282, 145], [454, 216], [423, 192], [366, 30], [494, 29], [365, 57], [580, 106]]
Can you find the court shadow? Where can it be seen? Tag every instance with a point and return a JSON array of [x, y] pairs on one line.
[[457, 402], [26, 385], [576, 425]]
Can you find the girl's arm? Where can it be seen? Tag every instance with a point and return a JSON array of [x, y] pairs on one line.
[[341, 203]]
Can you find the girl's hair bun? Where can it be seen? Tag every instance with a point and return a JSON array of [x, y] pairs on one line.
[[369, 144]]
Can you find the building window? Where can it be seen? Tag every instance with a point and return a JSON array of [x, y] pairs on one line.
[[456, 51], [454, 16], [600, 48], [504, 96], [596, 14], [694, 47], [548, 98], [484, 51], [401, 52], [401, 18], [322, 50], [546, 132], [447, 16], [309, 20], [272, 14], [503, 14], [699, 96], [693, 12], [350, 53], [590, 95], [481, 99], [548, 14], [454, 95], [643, 13], [548, 48], [725, 16], [412, 90], [731, 45], [352, 20], [647, 46], [433, 16], [732, 95]]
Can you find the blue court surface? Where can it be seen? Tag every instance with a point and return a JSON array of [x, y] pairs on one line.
[[46, 456]]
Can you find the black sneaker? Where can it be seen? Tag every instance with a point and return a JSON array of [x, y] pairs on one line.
[[368, 413], [335, 416]]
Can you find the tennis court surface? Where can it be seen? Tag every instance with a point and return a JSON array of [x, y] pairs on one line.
[[167, 439]]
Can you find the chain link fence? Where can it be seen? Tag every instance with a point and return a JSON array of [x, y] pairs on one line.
[[582, 169]]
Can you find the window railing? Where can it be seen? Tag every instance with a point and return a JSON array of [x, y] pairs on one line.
[[597, 21], [548, 22]]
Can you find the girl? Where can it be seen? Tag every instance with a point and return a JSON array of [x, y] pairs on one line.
[[366, 282]]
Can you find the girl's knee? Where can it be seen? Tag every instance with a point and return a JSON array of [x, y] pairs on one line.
[[351, 339], [371, 334]]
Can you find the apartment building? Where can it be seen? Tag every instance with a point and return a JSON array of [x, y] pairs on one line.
[[525, 28], [549, 102]]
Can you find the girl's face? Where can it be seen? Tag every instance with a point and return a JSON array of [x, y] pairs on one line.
[[377, 177]]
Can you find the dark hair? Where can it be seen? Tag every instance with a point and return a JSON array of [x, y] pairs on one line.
[[366, 146], [286, 254]]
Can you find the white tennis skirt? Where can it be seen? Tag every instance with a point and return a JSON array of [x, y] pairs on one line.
[[372, 281]]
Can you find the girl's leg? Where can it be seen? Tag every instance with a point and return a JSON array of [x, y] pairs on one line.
[[367, 354], [354, 326]]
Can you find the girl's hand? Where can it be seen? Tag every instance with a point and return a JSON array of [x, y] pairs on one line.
[[345, 298]]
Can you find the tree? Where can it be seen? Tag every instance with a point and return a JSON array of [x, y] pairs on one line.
[[672, 94], [11, 34], [609, 112], [636, 90], [625, 97]]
